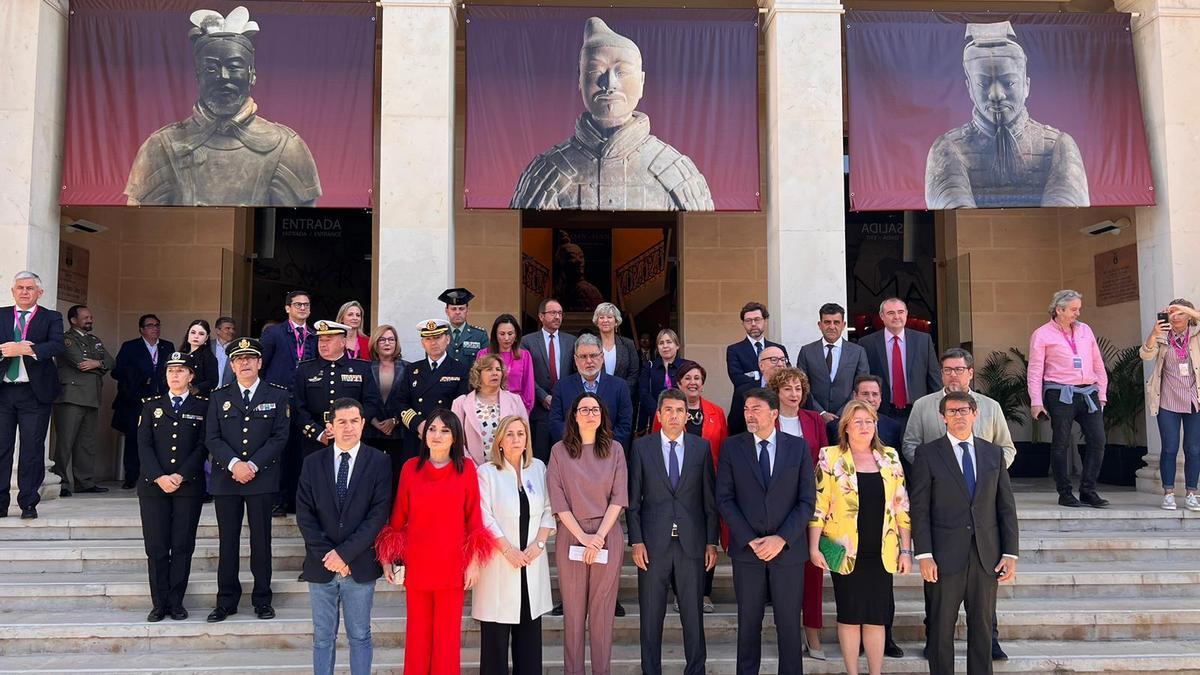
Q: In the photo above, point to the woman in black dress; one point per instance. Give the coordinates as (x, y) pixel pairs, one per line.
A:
(196, 343)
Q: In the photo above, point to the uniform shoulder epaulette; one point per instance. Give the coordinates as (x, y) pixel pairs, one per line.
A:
(200, 397)
(224, 386)
(308, 360)
(149, 399)
(280, 386)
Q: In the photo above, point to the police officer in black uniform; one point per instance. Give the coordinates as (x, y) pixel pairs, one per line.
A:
(429, 383)
(321, 381)
(170, 435)
(247, 429)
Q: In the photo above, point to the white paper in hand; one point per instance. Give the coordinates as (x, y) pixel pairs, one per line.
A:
(576, 553)
(398, 575)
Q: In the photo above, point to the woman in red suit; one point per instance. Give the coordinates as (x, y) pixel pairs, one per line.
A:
(792, 386)
(437, 533)
(707, 420)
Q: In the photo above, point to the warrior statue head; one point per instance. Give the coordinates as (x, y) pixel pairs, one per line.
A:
(224, 58)
(995, 66)
(610, 74)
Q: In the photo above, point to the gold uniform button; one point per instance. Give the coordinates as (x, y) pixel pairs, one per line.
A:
(247, 418)
(245, 430)
(172, 460)
(174, 435)
(243, 454)
(172, 450)
(245, 442)
(420, 400)
(175, 424)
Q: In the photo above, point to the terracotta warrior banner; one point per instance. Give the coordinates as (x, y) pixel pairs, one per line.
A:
(219, 103)
(952, 111)
(612, 109)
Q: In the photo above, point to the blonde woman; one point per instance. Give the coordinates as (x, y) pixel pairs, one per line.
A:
(861, 510)
(358, 344)
(514, 587)
(481, 409)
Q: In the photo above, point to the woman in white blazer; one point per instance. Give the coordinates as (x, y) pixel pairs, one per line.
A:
(513, 591)
(481, 409)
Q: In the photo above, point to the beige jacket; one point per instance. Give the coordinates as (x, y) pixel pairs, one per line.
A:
(1159, 354)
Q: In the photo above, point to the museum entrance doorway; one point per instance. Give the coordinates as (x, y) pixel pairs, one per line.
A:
(583, 258)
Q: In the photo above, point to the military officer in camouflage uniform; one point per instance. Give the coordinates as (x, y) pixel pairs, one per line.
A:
(323, 380)
(429, 383)
(81, 370)
(170, 491)
(612, 162)
(246, 431)
(465, 340)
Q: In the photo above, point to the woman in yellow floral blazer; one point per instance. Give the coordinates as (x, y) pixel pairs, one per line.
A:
(862, 507)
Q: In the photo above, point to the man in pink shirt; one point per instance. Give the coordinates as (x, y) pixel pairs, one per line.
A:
(1068, 382)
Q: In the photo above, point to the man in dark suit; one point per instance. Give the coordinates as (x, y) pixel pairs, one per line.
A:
(342, 502)
(30, 337)
(613, 391)
(965, 533)
(741, 358)
(916, 373)
(772, 360)
(766, 491)
(317, 384)
(288, 343)
(831, 363)
(429, 383)
(673, 530)
(246, 431)
(140, 372)
(551, 349)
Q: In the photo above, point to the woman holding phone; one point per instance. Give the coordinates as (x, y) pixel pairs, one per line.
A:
(1173, 396)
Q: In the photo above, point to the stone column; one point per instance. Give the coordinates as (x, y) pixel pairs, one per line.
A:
(1164, 38)
(416, 165)
(806, 219)
(33, 49)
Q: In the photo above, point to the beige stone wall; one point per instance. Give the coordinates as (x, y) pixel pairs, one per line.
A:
(165, 261)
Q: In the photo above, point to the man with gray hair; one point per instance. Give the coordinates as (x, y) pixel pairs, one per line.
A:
(30, 337)
(1002, 157)
(613, 392)
(612, 161)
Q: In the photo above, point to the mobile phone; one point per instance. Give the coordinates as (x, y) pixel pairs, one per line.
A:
(1163, 317)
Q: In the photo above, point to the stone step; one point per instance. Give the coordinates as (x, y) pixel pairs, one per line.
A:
(126, 630)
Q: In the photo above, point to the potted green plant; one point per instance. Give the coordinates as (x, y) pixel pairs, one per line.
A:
(1003, 377)
(1125, 406)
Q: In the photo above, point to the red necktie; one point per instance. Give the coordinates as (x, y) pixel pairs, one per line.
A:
(899, 388)
(553, 363)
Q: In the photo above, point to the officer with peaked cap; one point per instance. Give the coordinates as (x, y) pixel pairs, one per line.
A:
(322, 380)
(465, 340)
(246, 432)
(170, 436)
(429, 383)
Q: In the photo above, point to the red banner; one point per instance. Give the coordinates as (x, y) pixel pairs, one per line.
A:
(968, 110)
(216, 102)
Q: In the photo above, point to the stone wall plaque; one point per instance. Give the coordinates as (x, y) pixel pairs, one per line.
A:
(72, 274)
(1117, 276)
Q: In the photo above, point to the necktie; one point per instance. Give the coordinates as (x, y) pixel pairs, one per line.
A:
(673, 467)
(343, 479)
(457, 338)
(553, 363)
(829, 359)
(14, 363)
(899, 387)
(246, 398)
(757, 348)
(968, 468)
(432, 366)
(300, 343)
(176, 403)
(764, 462)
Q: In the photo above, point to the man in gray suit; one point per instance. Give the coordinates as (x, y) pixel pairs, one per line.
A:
(673, 527)
(915, 374)
(832, 363)
(552, 352)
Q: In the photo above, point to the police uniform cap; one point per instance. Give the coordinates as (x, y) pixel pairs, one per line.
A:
(456, 296)
(181, 359)
(245, 346)
(432, 327)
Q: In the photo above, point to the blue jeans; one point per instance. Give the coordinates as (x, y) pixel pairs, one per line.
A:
(1168, 430)
(355, 600)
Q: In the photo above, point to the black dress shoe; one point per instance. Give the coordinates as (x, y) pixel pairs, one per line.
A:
(998, 653)
(157, 614)
(179, 614)
(1068, 499)
(95, 489)
(219, 614)
(1093, 500)
(557, 611)
(264, 612)
(29, 513)
(128, 484)
(64, 491)
(619, 611)
(301, 577)
(892, 650)
(207, 499)
(279, 511)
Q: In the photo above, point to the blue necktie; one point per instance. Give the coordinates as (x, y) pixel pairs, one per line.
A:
(764, 462)
(673, 467)
(343, 479)
(246, 398)
(968, 467)
(176, 403)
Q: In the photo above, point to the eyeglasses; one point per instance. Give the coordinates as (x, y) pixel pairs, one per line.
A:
(589, 412)
(959, 370)
(588, 357)
(301, 305)
(957, 412)
(152, 325)
(773, 359)
(552, 312)
(387, 339)
(756, 319)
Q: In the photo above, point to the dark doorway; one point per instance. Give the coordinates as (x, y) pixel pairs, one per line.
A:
(326, 252)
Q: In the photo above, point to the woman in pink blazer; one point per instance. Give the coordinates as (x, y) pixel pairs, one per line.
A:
(481, 409)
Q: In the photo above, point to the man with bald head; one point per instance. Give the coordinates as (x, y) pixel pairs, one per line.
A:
(770, 361)
(612, 162)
